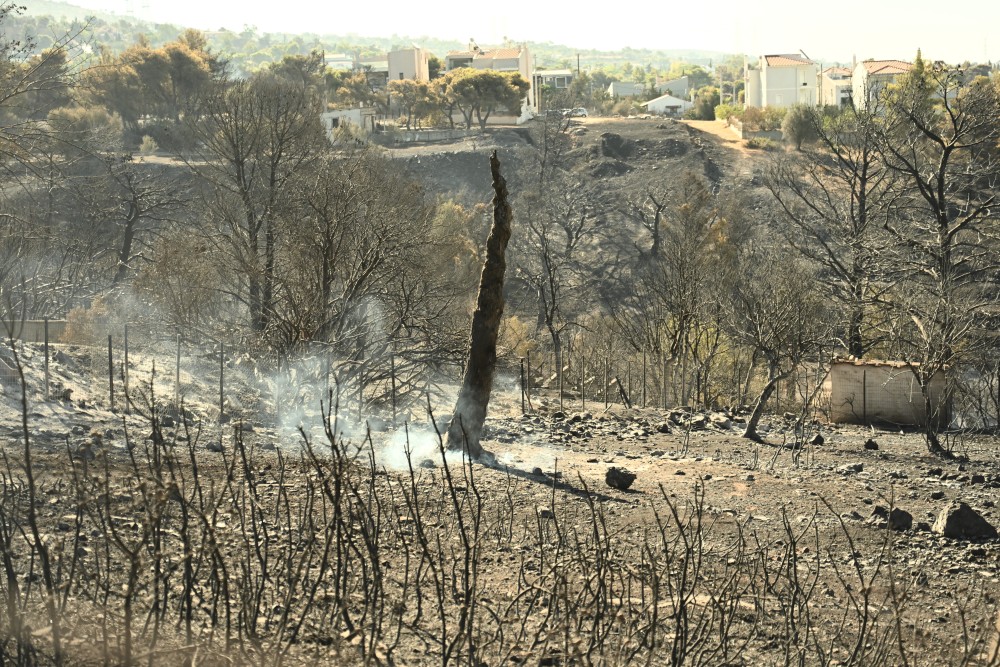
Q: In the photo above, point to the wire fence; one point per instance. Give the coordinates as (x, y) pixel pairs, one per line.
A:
(133, 369)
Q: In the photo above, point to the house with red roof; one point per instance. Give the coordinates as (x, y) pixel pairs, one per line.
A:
(835, 88)
(870, 77)
(781, 80)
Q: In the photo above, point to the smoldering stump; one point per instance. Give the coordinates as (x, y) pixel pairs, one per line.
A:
(466, 427)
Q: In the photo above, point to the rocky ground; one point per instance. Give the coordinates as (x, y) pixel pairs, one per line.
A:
(860, 507)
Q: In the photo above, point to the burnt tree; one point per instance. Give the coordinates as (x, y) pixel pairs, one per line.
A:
(470, 411)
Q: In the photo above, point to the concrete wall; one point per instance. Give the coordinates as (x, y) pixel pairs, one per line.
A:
(737, 127)
(880, 393)
(413, 136)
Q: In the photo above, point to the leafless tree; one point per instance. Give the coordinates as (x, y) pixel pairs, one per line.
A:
(835, 198)
(256, 136)
(940, 138)
(774, 309)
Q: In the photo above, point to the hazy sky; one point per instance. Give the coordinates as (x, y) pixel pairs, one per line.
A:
(832, 30)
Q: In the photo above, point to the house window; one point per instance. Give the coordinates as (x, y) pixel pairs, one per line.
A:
(401, 77)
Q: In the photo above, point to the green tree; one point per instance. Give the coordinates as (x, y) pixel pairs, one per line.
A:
(800, 125)
(704, 103)
(415, 99)
(434, 67)
(477, 94)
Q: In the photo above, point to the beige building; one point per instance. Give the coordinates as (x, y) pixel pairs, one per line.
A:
(781, 80)
(870, 77)
(505, 59)
(409, 63)
(866, 392)
(835, 88)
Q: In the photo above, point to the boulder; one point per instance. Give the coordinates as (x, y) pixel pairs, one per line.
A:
(894, 519)
(961, 522)
(871, 444)
(619, 478)
(720, 421)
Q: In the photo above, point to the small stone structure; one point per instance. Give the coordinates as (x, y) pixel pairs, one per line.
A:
(865, 392)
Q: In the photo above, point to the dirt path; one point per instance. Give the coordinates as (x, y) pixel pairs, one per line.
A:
(721, 131)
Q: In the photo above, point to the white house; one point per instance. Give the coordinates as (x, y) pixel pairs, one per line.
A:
(554, 78)
(835, 87)
(506, 59)
(677, 87)
(667, 105)
(781, 80)
(871, 76)
(361, 117)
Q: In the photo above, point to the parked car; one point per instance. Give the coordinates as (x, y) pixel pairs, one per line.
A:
(578, 112)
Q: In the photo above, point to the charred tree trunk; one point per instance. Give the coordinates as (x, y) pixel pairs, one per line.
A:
(466, 426)
(773, 378)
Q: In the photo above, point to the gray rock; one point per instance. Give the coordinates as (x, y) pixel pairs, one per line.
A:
(817, 440)
(871, 444)
(937, 495)
(961, 522)
(619, 478)
(894, 519)
(214, 446)
(850, 468)
(720, 421)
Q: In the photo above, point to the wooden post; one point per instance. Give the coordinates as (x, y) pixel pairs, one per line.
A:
(46, 358)
(527, 386)
(392, 380)
(523, 411)
(583, 383)
(559, 378)
(222, 381)
(864, 395)
(628, 378)
(111, 375)
(663, 395)
(607, 371)
(128, 403)
(177, 379)
(644, 378)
